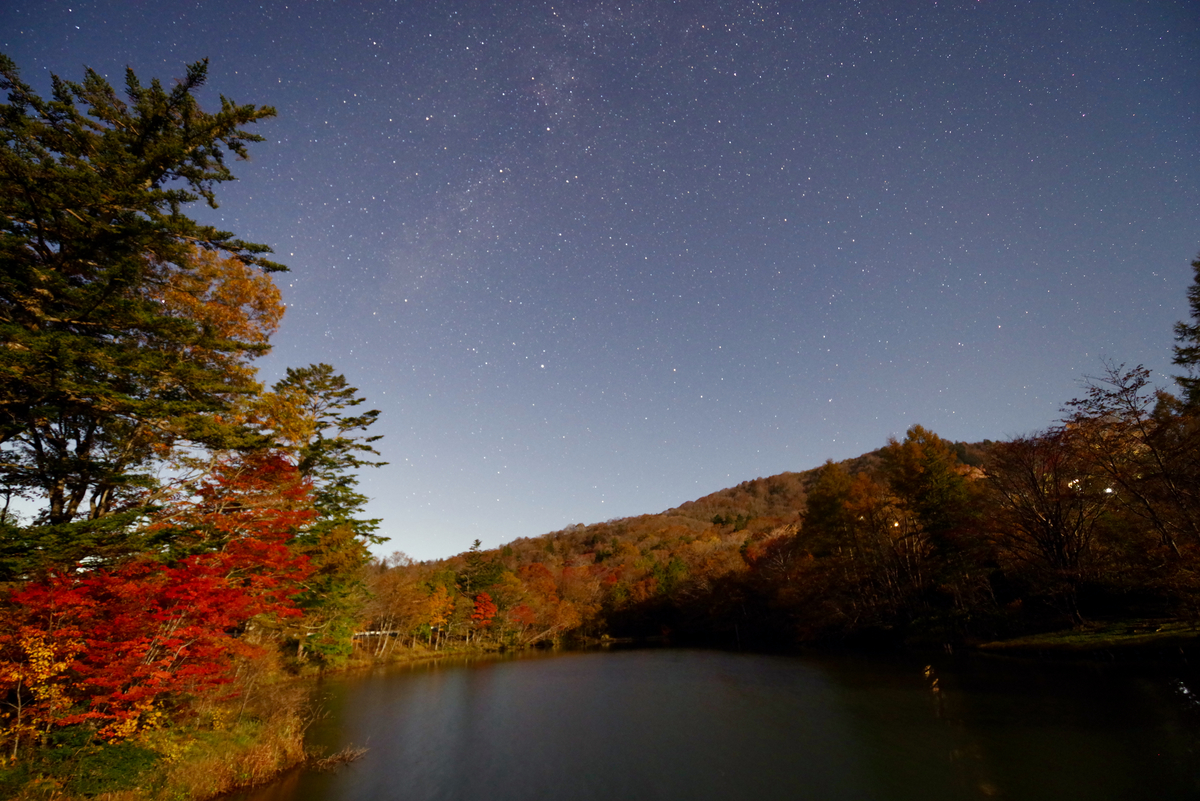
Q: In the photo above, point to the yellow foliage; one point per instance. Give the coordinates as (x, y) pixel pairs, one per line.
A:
(229, 299)
(40, 672)
(284, 413)
(439, 607)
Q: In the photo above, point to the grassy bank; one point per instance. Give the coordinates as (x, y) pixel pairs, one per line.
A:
(219, 746)
(1125, 637)
(216, 747)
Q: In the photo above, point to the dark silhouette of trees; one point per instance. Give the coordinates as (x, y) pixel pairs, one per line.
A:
(1187, 347)
(1147, 444)
(1049, 502)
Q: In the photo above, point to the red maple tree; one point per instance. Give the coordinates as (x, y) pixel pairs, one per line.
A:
(115, 646)
(484, 611)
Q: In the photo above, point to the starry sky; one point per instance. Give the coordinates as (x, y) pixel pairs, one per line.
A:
(593, 259)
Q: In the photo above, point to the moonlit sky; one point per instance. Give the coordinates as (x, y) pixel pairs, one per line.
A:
(594, 259)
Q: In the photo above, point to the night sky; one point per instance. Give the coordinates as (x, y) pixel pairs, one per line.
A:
(594, 259)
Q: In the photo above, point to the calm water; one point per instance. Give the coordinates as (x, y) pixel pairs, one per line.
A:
(681, 724)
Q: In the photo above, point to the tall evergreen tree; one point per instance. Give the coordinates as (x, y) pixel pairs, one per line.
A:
(315, 410)
(923, 472)
(1187, 351)
(100, 374)
(828, 525)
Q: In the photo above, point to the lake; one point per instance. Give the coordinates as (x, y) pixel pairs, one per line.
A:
(693, 724)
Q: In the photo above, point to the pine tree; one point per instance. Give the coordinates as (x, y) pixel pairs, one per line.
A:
(312, 410)
(1187, 352)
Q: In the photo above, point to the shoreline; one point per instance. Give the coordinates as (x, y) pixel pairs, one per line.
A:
(210, 759)
(1134, 639)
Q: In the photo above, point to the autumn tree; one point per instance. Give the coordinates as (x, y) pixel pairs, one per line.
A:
(438, 611)
(314, 412)
(877, 566)
(252, 503)
(483, 611)
(238, 304)
(826, 520)
(117, 647)
(396, 601)
(543, 610)
(923, 472)
(112, 349)
(1051, 500)
(1147, 444)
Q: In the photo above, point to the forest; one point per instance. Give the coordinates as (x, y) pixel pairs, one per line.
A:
(177, 538)
(1089, 524)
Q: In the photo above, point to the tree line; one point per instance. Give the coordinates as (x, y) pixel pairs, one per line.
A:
(1095, 518)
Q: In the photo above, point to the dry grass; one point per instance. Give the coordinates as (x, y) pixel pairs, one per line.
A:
(350, 753)
(248, 741)
(221, 745)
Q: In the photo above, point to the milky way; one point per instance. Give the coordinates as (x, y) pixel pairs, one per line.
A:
(594, 259)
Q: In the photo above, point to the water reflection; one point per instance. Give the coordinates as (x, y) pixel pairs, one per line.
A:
(674, 724)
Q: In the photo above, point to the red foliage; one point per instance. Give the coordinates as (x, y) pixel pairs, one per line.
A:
(524, 615)
(539, 580)
(485, 609)
(143, 633)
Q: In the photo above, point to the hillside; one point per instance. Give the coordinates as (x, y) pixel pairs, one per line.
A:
(1091, 522)
(693, 570)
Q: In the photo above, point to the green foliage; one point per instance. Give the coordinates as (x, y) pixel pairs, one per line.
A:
(922, 471)
(443, 576)
(827, 521)
(313, 409)
(739, 521)
(13, 778)
(480, 571)
(105, 767)
(75, 762)
(99, 376)
(968, 455)
(127, 331)
(34, 550)
(331, 644)
(332, 444)
(669, 574)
